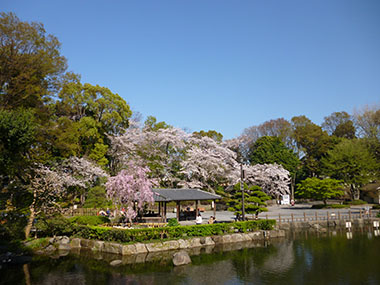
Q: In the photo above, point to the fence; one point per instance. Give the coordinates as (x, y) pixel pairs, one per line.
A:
(329, 216)
(81, 212)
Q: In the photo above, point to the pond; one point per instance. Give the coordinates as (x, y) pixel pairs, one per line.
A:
(334, 257)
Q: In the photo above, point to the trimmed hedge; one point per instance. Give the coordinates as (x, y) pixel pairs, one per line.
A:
(149, 234)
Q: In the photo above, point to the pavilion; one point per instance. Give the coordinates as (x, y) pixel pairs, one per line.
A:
(163, 196)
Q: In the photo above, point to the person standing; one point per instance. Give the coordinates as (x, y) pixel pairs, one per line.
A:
(198, 220)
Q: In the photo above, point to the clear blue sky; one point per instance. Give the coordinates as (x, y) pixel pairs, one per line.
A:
(221, 65)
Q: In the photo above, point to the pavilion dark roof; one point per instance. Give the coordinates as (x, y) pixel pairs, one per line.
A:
(167, 195)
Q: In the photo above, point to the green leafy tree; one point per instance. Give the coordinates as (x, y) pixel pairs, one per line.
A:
(211, 134)
(254, 200)
(151, 124)
(270, 150)
(351, 162)
(17, 135)
(320, 189)
(97, 198)
(30, 63)
(312, 143)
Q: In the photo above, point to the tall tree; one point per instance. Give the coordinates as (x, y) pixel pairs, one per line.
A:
(337, 122)
(30, 63)
(312, 143)
(351, 162)
(367, 121)
(270, 150)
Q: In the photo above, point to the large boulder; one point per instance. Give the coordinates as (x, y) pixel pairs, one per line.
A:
(181, 258)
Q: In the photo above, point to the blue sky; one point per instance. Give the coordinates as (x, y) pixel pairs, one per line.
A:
(221, 65)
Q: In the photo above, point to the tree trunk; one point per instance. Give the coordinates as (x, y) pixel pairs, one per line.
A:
(355, 193)
(30, 222)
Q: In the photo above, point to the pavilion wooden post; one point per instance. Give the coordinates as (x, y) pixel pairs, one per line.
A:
(214, 209)
(164, 212)
(159, 209)
(178, 209)
(196, 208)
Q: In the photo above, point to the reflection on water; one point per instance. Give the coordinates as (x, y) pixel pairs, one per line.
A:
(301, 258)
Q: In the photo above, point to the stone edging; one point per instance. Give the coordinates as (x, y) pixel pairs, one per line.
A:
(65, 243)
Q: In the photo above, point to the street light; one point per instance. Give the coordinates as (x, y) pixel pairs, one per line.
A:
(242, 191)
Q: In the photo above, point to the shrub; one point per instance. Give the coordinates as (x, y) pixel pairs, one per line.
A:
(12, 225)
(330, 206)
(51, 226)
(89, 220)
(173, 222)
(174, 232)
(376, 207)
(355, 202)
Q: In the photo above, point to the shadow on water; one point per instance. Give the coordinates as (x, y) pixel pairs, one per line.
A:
(303, 257)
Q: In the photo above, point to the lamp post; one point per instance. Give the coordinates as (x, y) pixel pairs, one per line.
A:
(242, 191)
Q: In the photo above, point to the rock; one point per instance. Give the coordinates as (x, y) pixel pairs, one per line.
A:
(171, 245)
(237, 238)
(98, 245)
(64, 252)
(113, 248)
(154, 246)
(255, 235)
(128, 249)
(217, 239)
(195, 242)
(64, 240)
(209, 241)
(75, 243)
(181, 258)
(87, 243)
(226, 239)
(140, 248)
(246, 237)
(50, 248)
(183, 243)
(116, 262)
(64, 247)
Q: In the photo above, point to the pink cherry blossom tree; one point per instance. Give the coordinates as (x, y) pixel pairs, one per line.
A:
(132, 188)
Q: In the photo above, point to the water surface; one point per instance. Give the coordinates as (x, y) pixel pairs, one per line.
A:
(301, 258)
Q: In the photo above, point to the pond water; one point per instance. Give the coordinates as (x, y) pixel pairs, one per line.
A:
(301, 258)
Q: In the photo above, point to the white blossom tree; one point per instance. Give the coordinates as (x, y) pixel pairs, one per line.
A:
(49, 184)
(161, 150)
(273, 179)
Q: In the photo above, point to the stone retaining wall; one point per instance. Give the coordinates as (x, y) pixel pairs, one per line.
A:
(65, 243)
(324, 225)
